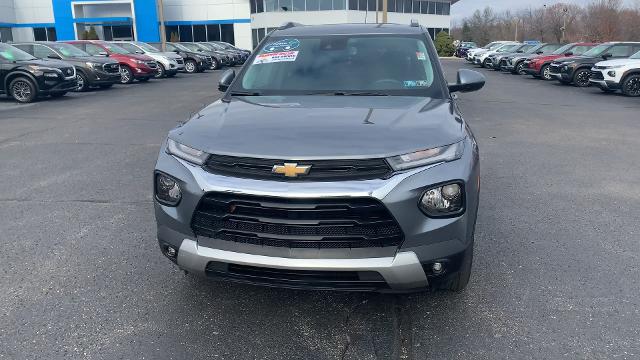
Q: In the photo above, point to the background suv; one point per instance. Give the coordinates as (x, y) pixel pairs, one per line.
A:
(24, 77)
(621, 74)
(495, 60)
(169, 63)
(217, 59)
(194, 62)
(482, 58)
(515, 63)
(132, 66)
(90, 70)
(577, 69)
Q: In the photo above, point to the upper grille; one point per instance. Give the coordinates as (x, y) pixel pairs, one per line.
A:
(554, 68)
(296, 223)
(68, 72)
(180, 61)
(111, 68)
(321, 170)
(152, 64)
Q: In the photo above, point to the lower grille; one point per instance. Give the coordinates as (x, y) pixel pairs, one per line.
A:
(180, 61)
(68, 72)
(329, 280)
(296, 223)
(111, 68)
(320, 170)
(554, 69)
(152, 64)
(596, 75)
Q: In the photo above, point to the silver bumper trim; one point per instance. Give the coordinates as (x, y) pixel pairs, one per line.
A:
(401, 272)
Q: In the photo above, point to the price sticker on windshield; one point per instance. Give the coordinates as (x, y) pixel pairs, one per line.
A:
(421, 56)
(275, 57)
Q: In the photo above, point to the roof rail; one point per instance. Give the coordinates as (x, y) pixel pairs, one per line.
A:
(288, 25)
(414, 23)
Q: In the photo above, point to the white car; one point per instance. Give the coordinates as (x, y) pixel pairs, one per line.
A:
(620, 74)
(482, 58)
(490, 46)
(169, 63)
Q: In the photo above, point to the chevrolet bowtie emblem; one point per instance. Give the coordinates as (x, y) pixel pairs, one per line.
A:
(291, 169)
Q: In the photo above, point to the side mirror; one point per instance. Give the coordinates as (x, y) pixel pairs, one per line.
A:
(468, 80)
(226, 80)
(539, 52)
(569, 53)
(139, 52)
(176, 51)
(103, 53)
(54, 56)
(519, 51)
(607, 55)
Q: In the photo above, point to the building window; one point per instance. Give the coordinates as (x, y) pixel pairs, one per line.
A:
(186, 33)
(172, 34)
(199, 33)
(40, 34)
(226, 33)
(258, 6)
(285, 5)
(6, 35)
(213, 32)
(339, 4)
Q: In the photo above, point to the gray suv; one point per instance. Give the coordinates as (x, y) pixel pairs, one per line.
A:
(336, 159)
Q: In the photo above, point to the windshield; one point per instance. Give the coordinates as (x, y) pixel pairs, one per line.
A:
(224, 45)
(191, 46)
(342, 65)
(597, 51)
(507, 48)
(180, 47)
(563, 50)
(495, 46)
(635, 56)
(534, 49)
(68, 50)
(11, 53)
(147, 47)
(115, 49)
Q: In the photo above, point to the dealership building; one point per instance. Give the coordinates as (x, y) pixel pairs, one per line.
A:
(241, 22)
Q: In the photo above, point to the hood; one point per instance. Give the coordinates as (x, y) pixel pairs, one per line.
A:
(138, 57)
(313, 127)
(97, 59)
(571, 59)
(170, 55)
(545, 58)
(57, 64)
(617, 62)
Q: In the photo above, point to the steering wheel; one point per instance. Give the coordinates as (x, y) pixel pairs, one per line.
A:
(387, 83)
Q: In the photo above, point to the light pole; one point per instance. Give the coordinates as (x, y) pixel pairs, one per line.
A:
(163, 31)
(565, 11)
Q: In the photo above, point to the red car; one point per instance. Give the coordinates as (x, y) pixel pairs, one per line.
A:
(538, 66)
(132, 66)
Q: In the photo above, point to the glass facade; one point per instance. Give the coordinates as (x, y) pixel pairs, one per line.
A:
(200, 33)
(44, 34)
(400, 6)
(5, 34)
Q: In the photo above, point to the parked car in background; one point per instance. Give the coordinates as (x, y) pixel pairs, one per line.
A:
(494, 60)
(461, 50)
(235, 57)
(514, 63)
(25, 78)
(169, 63)
(91, 71)
(132, 66)
(217, 59)
(577, 69)
(538, 66)
(194, 62)
(482, 59)
(243, 52)
(490, 46)
(620, 74)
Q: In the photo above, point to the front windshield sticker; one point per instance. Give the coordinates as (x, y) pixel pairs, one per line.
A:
(285, 56)
(416, 83)
(282, 45)
(7, 55)
(421, 55)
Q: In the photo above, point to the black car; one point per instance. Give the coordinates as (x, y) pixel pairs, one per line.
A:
(217, 58)
(495, 59)
(91, 71)
(242, 52)
(235, 58)
(25, 78)
(577, 69)
(194, 62)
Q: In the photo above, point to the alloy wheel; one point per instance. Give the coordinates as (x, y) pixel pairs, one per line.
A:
(80, 81)
(520, 69)
(546, 73)
(632, 86)
(21, 91)
(582, 78)
(160, 72)
(125, 77)
(190, 66)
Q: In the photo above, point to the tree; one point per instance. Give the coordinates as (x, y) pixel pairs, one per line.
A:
(466, 32)
(444, 44)
(92, 34)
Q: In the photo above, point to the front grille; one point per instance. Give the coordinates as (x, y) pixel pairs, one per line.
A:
(68, 72)
(503, 63)
(554, 68)
(111, 68)
(596, 75)
(296, 223)
(180, 61)
(152, 64)
(321, 170)
(329, 280)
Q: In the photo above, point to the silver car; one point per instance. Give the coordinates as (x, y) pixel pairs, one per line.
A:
(332, 162)
(169, 63)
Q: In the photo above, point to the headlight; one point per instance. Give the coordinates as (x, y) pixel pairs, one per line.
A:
(140, 62)
(445, 200)
(427, 157)
(167, 190)
(93, 65)
(613, 67)
(186, 153)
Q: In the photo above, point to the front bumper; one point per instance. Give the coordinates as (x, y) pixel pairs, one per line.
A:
(46, 87)
(426, 240)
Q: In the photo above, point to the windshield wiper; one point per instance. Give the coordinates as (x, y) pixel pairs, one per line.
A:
(349, 93)
(244, 93)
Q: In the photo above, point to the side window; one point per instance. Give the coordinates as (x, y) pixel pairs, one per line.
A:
(620, 51)
(579, 50)
(93, 49)
(129, 47)
(25, 48)
(636, 49)
(80, 46)
(42, 52)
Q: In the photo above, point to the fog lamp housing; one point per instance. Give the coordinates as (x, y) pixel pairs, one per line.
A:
(443, 201)
(167, 190)
(612, 74)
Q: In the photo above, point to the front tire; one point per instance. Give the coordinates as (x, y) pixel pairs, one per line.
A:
(126, 75)
(83, 82)
(160, 73)
(190, 66)
(545, 72)
(631, 85)
(215, 65)
(581, 78)
(520, 69)
(22, 90)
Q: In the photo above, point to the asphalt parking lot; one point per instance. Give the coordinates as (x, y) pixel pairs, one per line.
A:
(556, 271)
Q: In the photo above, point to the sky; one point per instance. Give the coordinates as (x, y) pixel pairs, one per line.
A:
(465, 8)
